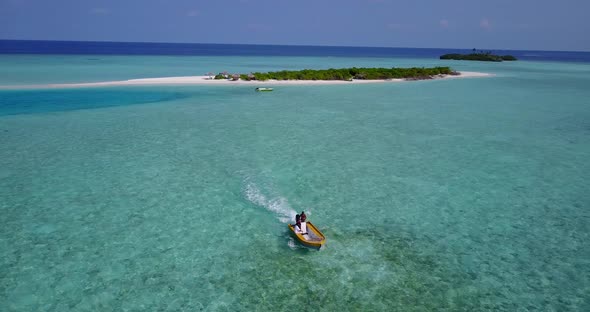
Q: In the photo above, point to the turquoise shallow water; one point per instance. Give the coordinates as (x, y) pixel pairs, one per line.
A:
(43, 69)
(457, 195)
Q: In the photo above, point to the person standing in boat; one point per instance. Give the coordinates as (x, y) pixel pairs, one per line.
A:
(302, 224)
(297, 223)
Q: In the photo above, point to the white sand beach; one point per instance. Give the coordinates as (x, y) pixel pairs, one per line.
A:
(206, 80)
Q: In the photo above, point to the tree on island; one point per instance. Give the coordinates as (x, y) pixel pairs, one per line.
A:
(478, 56)
(349, 74)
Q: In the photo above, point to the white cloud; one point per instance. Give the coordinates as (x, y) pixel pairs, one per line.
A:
(193, 13)
(485, 24)
(444, 23)
(99, 11)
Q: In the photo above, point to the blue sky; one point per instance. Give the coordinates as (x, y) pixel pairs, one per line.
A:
(492, 24)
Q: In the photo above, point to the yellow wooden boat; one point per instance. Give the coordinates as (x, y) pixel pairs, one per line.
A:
(309, 236)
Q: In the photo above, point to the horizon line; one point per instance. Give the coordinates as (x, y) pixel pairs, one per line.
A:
(288, 45)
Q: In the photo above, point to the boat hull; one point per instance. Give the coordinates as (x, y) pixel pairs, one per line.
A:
(314, 237)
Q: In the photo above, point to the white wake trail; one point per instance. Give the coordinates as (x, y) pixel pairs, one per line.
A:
(279, 205)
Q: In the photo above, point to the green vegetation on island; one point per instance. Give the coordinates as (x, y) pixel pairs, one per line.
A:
(347, 74)
(478, 56)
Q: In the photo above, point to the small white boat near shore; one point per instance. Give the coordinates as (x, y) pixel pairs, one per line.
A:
(263, 89)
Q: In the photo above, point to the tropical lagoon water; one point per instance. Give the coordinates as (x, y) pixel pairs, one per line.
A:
(440, 195)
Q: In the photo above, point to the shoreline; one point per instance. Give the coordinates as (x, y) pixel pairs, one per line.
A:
(205, 80)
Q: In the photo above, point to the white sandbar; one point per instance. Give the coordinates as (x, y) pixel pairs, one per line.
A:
(206, 80)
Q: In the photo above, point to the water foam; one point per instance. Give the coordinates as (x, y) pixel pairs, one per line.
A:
(279, 205)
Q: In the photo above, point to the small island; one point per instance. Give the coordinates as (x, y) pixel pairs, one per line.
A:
(265, 80)
(478, 56)
(345, 74)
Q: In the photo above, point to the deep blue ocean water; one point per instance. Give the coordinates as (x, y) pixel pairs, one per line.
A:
(202, 49)
(443, 195)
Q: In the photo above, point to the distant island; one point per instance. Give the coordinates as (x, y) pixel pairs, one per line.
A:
(478, 56)
(346, 74)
